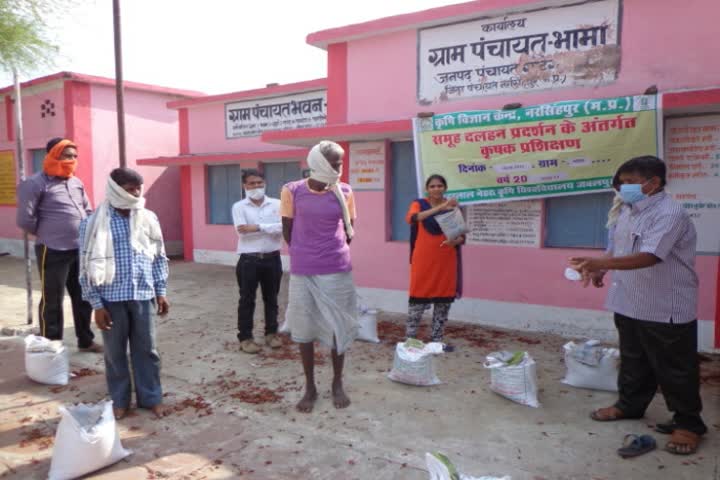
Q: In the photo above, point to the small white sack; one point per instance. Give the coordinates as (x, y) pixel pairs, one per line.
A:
(284, 327)
(413, 363)
(367, 318)
(589, 365)
(86, 440)
(516, 382)
(46, 361)
(440, 468)
(452, 223)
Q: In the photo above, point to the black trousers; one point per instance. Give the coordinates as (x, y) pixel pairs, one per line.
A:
(252, 271)
(656, 354)
(59, 271)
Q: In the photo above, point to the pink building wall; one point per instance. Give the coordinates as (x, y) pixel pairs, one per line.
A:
(151, 129)
(85, 111)
(207, 133)
(668, 44)
(205, 235)
(37, 131)
(657, 49)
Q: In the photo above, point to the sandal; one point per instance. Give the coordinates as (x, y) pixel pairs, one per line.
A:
(635, 445)
(683, 438)
(666, 428)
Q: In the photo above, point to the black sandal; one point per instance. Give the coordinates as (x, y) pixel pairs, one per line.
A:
(636, 445)
(666, 428)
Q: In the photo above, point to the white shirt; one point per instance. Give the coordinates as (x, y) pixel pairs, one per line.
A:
(267, 217)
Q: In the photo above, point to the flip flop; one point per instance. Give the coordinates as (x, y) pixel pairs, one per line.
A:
(635, 445)
(665, 428)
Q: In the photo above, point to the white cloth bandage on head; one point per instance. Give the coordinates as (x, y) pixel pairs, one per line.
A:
(98, 259)
(322, 171)
(320, 168)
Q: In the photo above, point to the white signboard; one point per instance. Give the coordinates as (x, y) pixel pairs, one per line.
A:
(692, 153)
(520, 52)
(251, 118)
(516, 224)
(367, 165)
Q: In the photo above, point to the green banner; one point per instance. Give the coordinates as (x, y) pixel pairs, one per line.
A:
(554, 149)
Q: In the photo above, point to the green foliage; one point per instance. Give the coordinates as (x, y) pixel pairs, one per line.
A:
(24, 43)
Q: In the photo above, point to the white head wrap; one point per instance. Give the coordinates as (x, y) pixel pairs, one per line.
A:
(97, 255)
(322, 171)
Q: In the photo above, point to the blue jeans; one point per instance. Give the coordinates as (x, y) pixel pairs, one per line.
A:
(132, 321)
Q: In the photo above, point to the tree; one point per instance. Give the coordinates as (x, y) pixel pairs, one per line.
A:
(24, 44)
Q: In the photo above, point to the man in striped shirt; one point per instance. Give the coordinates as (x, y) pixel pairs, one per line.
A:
(654, 297)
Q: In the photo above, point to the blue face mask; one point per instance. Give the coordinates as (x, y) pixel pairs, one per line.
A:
(632, 193)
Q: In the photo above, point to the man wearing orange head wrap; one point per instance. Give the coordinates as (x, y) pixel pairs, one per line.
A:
(51, 205)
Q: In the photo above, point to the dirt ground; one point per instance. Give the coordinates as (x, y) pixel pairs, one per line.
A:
(234, 417)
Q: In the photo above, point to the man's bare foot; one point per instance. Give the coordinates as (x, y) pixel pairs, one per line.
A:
(119, 413)
(307, 402)
(160, 410)
(340, 400)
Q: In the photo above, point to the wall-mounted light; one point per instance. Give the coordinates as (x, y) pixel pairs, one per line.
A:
(512, 106)
(651, 90)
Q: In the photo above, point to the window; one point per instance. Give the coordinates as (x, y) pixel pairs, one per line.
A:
(224, 186)
(404, 187)
(278, 174)
(577, 221)
(38, 157)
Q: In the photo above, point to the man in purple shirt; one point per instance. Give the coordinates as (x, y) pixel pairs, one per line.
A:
(317, 217)
(654, 297)
(51, 205)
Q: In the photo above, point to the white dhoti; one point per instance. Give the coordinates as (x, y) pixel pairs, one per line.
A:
(323, 308)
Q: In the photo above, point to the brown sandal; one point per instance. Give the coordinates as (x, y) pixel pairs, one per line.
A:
(608, 414)
(683, 438)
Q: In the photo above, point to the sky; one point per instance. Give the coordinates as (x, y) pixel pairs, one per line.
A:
(212, 46)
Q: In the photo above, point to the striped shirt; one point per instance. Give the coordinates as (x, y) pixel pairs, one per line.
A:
(666, 292)
(137, 277)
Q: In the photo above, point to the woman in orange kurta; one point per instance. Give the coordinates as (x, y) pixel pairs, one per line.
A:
(435, 270)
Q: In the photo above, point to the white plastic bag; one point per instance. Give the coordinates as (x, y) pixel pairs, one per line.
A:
(590, 365)
(368, 326)
(46, 361)
(367, 318)
(86, 440)
(284, 327)
(452, 223)
(413, 363)
(514, 376)
(441, 468)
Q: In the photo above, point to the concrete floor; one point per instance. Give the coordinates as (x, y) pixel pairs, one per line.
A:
(217, 433)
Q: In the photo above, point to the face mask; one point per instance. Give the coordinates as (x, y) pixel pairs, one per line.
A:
(632, 193)
(256, 193)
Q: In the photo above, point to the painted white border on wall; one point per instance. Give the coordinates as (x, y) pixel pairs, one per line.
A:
(223, 257)
(567, 322)
(15, 247)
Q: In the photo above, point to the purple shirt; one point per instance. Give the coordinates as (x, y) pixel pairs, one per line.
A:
(51, 208)
(668, 291)
(318, 244)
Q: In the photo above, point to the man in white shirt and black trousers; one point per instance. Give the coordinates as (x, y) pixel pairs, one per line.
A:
(257, 222)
